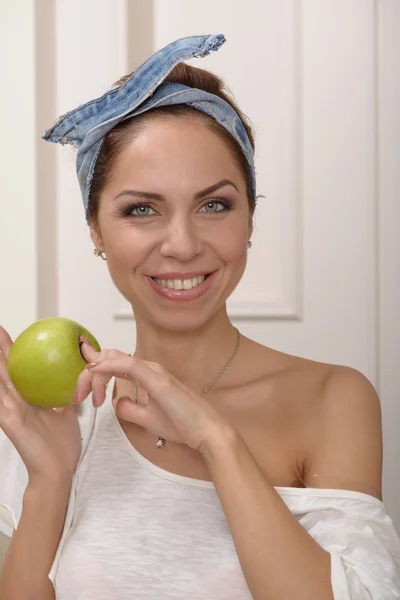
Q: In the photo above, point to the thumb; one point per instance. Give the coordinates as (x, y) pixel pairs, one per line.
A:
(87, 350)
(5, 342)
(128, 410)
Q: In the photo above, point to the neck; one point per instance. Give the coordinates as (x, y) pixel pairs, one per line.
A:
(194, 357)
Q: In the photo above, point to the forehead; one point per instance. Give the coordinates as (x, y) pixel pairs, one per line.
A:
(175, 152)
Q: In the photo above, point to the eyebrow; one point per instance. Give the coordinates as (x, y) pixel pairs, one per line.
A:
(152, 196)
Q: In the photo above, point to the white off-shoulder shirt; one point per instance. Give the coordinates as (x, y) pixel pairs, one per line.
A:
(134, 530)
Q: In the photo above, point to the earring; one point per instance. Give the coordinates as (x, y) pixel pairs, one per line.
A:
(97, 252)
(249, 245)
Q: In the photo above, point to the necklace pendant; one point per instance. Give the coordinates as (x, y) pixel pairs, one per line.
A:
(160, 443)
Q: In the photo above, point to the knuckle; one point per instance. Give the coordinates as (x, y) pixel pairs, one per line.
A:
(159, 369)
(7, 401)
(166, 384)
(99, 380)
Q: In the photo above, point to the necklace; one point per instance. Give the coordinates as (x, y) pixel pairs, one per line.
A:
(161, 441)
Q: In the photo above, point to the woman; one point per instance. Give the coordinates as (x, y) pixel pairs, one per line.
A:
(210, 466)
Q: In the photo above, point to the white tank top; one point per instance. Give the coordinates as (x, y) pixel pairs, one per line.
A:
(140, 532)
(134, 531)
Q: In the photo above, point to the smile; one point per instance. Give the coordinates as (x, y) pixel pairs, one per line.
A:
(182, 289)
(181, 284)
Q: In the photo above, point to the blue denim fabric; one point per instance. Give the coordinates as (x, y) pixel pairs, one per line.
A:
(87, 125)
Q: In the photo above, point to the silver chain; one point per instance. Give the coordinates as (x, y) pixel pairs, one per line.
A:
(161, 441)
(228, 364)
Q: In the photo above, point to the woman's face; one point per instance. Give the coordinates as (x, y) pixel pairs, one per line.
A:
(175, 208)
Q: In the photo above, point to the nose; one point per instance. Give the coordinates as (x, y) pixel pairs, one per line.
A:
(181, 241)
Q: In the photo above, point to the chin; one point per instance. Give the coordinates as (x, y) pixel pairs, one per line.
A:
(180, 319)
(180, 323)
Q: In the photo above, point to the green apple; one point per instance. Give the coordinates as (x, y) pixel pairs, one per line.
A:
(45, 361)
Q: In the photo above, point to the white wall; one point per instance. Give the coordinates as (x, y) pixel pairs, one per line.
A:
(18, 241)
(388, 217)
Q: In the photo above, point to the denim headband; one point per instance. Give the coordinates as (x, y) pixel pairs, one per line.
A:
(86, 126)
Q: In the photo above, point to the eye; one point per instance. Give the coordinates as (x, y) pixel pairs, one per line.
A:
(143, 209)
(216, 206)
(139, 210)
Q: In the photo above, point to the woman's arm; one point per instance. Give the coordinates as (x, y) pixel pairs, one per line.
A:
(278, 556)
(49, 444)
(34, 544)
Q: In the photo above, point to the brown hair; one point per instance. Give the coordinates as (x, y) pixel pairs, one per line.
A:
(119, 136)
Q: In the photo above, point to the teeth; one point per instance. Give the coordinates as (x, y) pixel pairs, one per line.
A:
(179, 284)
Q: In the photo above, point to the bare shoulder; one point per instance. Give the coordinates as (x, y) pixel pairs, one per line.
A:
(331, 390)
(345, 438)
(348, 393)
(332, 414)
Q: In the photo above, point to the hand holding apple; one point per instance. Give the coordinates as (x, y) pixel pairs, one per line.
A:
(48, 441)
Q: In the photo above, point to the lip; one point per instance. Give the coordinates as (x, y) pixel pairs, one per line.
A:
(183, 295)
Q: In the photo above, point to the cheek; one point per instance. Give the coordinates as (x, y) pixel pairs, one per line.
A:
(232, 241)
(125, 248)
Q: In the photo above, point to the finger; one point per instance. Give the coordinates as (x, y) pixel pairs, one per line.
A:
(10, 409)
(86, 385)
(130, 411)
(4, 374)
(99, 387)
(98, 384)
(5, 342)
(152, 377)
(87, 350)
(4, 407)
(88, 382)
(83, 386)
(5, 392)
(5, 347)
(8, 384)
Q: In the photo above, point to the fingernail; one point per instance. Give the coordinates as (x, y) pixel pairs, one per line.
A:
(92, 365)
(83, 339)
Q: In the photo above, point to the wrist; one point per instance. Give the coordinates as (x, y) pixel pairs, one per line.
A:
(219, 442)
(40, 488)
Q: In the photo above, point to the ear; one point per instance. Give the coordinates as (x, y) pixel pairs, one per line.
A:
(251, 225)
(96, 237)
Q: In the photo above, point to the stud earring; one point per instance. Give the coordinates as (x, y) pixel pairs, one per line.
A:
(249, 245)
(97, 252)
